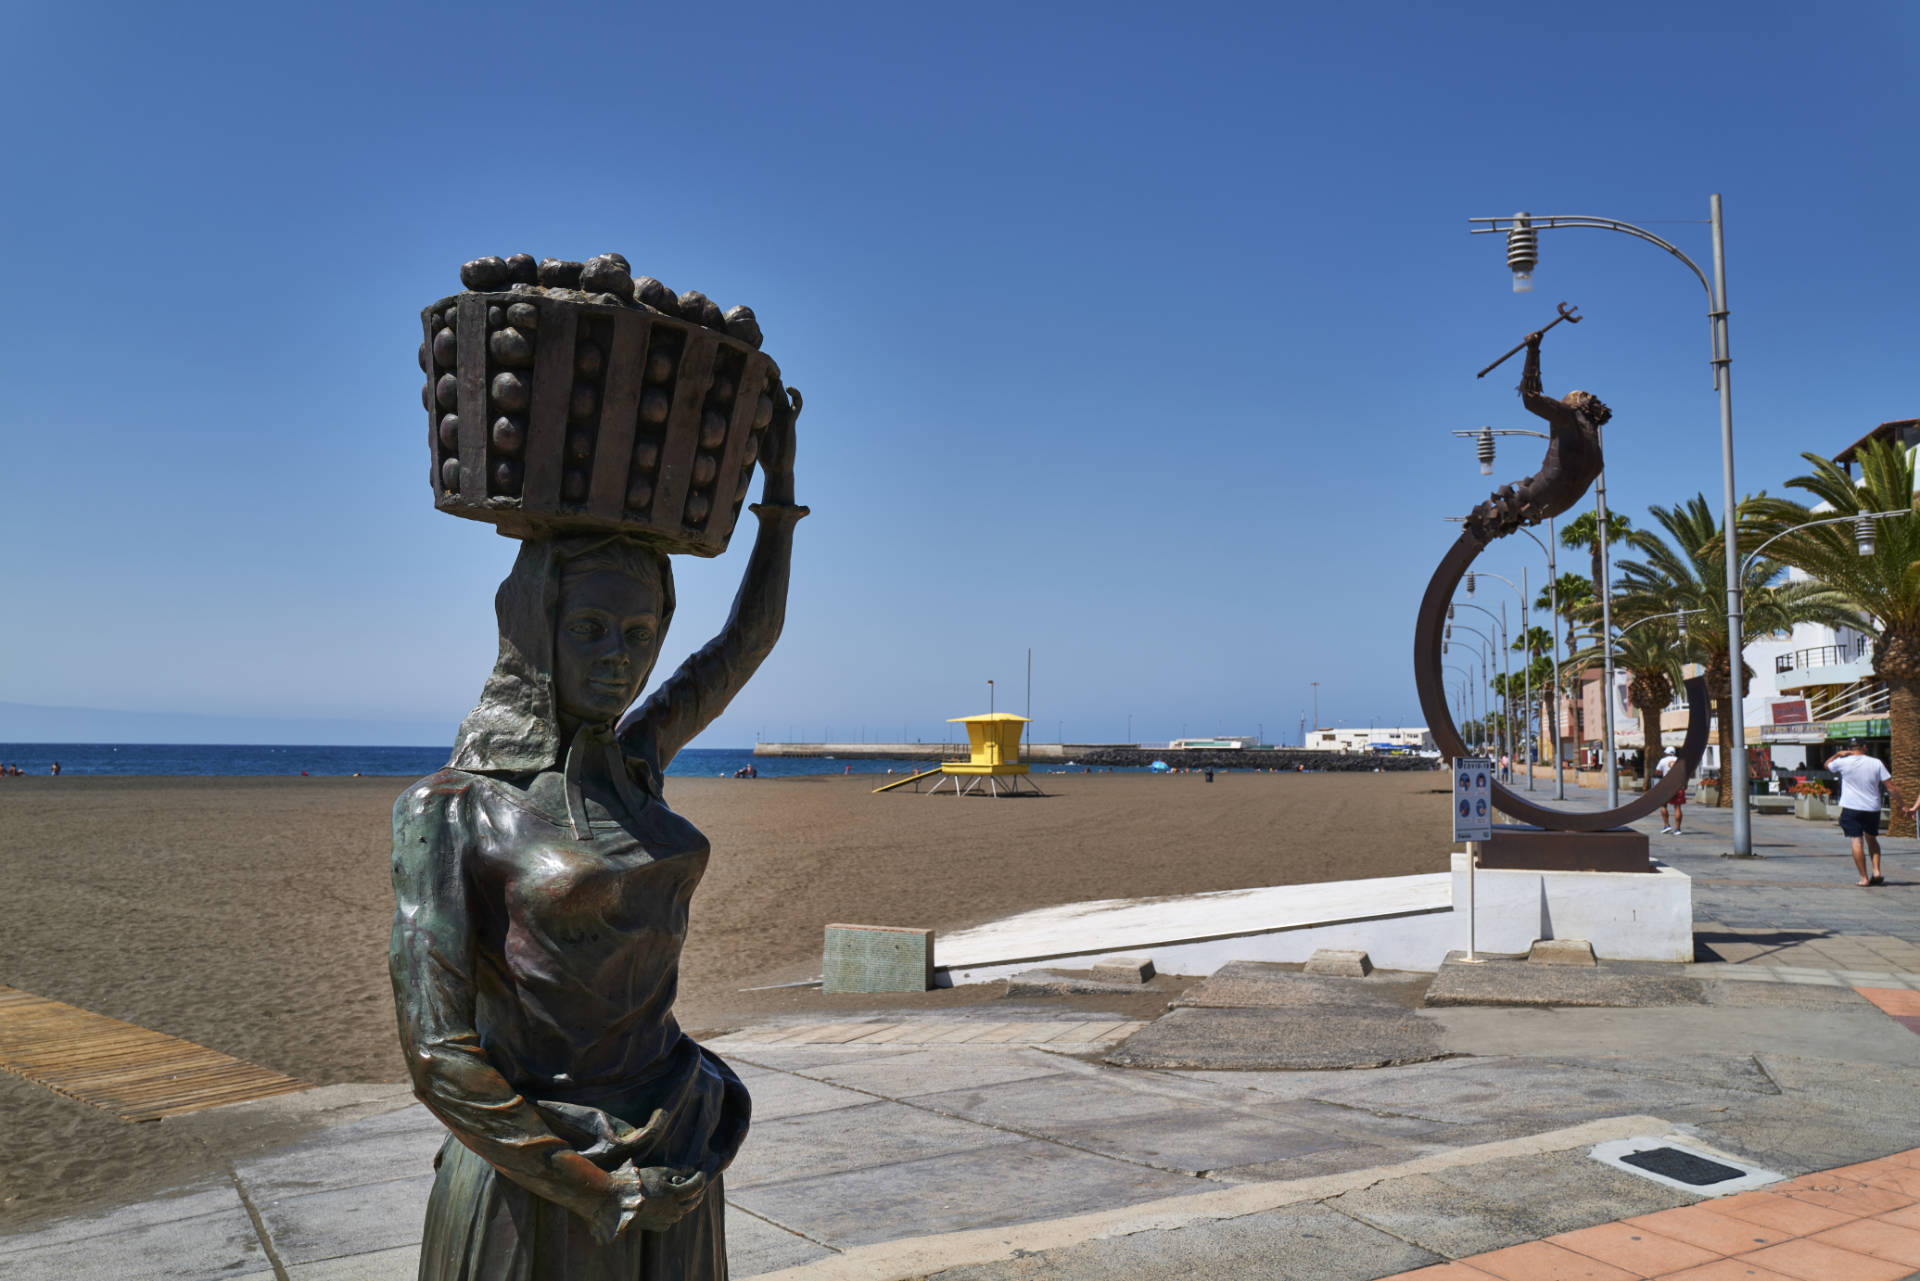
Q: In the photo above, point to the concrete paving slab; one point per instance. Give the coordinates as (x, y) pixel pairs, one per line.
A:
(1796, 1136)
(1781, 996)
(1501, 1203)
(1869, 1037)
(1353, 1124)
(910, 1075)
(221, 1246)
(883, 1133)
(195, 1201)
(1306, 1242)
(755, 1246)
(1500, 982)
(1471, 1091)
(395, 1146)
(801, 1058)
(347, 1221)
(402, 1264)
(1741, 1072)
(1266, 1039)
(783, 1094)
(988, 1187)
(1264, 985)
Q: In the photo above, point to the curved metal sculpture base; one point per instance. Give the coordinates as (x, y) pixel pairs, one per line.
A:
(1427, 636)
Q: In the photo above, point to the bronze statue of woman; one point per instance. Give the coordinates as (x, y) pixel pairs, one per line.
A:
(542, 889)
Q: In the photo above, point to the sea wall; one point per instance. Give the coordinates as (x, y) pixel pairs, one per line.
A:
(1112, 754)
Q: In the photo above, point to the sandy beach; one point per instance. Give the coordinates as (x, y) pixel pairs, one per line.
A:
(251, 914)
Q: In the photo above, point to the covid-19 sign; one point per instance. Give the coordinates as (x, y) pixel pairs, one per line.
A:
(1472, 798)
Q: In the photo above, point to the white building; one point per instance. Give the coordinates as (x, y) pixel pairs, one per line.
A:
(1363, 740)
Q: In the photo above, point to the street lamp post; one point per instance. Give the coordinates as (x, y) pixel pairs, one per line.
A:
(1483, 647)
(1522, 230)
(1526, 666)
(1466, 683)
(1506, 693)
(1553, 640)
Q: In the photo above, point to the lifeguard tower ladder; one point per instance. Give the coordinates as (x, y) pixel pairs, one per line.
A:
(993, 743)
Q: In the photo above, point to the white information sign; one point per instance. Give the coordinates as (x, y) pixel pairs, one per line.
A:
(1472, 798)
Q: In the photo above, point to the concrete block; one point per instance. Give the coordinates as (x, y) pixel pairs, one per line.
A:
(1627, 916)
(1561, 952)
(877, 958)
(1124, 969)
(1340, 962)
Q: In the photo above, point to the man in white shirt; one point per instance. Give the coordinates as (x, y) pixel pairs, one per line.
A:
(1861, 778)
(1660, 768)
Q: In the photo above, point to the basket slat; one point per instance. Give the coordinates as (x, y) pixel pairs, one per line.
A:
(552, 391)
(473, 398)
(745, 400)
(689, 393)
(430, 323)
(613, 454)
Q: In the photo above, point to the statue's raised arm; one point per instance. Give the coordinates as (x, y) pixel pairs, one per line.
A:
(1571, 465)
(689, 700)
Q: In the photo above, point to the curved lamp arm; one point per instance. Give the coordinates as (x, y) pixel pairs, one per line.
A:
(1753, 555)
(1502, 225)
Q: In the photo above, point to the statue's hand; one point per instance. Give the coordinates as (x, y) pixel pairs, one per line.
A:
(776, 451)
(650, 1199)
(1533, 339)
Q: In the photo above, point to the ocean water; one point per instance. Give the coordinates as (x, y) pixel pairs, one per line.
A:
(404, 762)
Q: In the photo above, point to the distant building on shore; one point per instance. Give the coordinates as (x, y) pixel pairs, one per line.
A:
(1227, 743)
(1367, 740)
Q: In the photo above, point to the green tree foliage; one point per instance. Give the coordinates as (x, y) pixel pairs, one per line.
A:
(1883, 588)
(1683, 568)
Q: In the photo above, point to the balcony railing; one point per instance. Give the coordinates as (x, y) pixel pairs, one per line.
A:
(1801, 660)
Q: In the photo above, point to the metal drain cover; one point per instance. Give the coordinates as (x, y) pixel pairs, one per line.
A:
(1682, 1167)
(1668, 1159)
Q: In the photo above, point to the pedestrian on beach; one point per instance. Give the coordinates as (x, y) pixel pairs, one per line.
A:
(1660, 768)
(1861, 779)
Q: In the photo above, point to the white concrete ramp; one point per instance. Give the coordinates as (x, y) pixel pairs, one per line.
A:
(1404, 922)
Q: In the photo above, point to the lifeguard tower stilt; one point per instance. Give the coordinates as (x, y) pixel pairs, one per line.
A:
(993, 742)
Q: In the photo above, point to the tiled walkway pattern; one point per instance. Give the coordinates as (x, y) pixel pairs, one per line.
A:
(1809, 949)
(1902, 1005)
(1856, 1223)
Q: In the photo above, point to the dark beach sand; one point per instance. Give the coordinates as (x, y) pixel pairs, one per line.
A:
(251, 914)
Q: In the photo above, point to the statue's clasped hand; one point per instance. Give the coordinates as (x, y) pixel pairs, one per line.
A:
(646, 1197)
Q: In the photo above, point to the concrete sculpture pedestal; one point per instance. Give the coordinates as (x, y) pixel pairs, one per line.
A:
(1627, 916)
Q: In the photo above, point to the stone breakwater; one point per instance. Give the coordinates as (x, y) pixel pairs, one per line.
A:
(1277, 758)
(1117, 754)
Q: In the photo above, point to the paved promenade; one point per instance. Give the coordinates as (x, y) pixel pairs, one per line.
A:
(1001, 1145)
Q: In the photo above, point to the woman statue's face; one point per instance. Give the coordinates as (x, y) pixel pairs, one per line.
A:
(606, 642)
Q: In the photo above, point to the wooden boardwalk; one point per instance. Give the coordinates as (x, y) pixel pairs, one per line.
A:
(133, 1072)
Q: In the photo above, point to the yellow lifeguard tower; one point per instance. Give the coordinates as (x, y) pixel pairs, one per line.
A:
(993, 743)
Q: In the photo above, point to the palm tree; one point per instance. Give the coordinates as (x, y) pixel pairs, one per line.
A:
(1573, 592)
(1536, 645)
(1685, 570)
(1578, 533)
(1650, 655)
(1883, 587)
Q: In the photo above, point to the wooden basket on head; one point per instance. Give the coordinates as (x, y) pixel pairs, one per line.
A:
(554, 411)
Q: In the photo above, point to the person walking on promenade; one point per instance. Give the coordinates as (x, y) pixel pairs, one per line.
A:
(1861, 778)
(1660, 768)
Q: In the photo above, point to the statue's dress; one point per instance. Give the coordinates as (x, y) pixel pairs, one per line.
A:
(536, 951)
(566, 951)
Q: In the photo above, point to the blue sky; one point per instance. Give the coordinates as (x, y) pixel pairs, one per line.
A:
(1131, 334)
